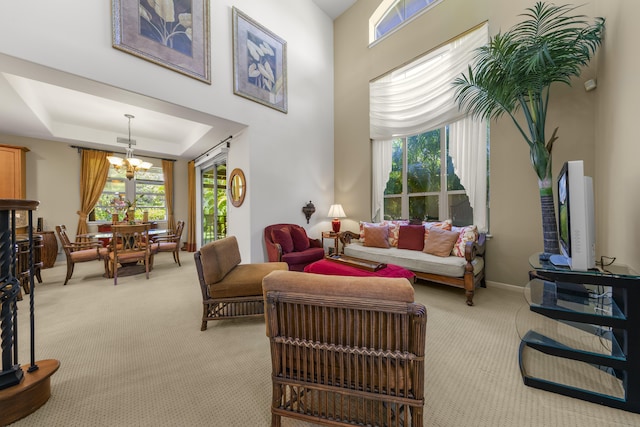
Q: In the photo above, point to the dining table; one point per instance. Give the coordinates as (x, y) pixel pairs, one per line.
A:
(131, 268)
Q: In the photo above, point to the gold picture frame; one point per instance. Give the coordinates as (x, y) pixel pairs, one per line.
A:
(173, 34)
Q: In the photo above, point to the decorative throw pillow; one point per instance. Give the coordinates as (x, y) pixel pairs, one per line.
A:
(300, 239)
(368, 224)
(440, 242)
(467, 234)
(394, 229)
(411, 237)
(282, 236)
(376, 236)
(444, 225)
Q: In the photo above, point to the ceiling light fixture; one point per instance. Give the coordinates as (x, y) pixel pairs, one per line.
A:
(132, 164)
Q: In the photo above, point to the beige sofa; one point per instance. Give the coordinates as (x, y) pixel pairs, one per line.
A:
(467, 272)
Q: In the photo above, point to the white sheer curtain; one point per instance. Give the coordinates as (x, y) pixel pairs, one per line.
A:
(420, 97)
(468, 151)
(381, 152)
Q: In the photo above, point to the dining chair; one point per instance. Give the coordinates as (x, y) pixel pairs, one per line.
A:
(81, 251)
(129, 245)
(169, 243)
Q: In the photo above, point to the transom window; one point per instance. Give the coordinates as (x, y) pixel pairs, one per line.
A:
(392, 14)
(146, 190)
(422, 183)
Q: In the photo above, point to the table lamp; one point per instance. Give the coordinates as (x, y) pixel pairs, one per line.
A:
(336, 212)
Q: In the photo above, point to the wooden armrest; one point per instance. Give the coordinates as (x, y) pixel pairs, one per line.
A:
(166, 238)
(83, 245)
(346, 236)
(473, 249)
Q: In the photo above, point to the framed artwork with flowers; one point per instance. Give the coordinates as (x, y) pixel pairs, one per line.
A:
(170, 33)
(259, 63)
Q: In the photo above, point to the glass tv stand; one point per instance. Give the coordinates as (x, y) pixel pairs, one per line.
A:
(580, 333)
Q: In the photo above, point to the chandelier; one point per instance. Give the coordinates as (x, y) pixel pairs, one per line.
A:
(132, 164)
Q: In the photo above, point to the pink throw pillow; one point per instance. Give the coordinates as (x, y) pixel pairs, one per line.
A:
(444, 225)
(283, 238)
(411, 237)
(300, 239)
(376, 236)
(440, 242)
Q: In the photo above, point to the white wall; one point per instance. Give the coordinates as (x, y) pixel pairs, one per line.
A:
(287, 158)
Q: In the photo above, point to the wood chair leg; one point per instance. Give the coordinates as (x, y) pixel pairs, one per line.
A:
(69, 272)
(205, 310)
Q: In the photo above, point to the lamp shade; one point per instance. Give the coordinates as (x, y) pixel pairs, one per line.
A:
(114, 160)
(335, 212)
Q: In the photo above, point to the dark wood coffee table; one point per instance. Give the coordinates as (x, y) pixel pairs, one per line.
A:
(350, 266)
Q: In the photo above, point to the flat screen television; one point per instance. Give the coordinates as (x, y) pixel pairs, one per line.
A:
(576, 223)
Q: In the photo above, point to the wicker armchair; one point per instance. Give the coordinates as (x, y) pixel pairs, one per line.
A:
(345, 350)
(230, 289)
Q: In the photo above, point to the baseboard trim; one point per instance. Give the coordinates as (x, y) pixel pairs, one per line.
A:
(505, 286)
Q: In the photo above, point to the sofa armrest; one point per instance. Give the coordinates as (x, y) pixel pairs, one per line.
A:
(474, 249)
(347, 236)
(315, 243)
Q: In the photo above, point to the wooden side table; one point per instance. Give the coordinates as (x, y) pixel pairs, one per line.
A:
(336, 240)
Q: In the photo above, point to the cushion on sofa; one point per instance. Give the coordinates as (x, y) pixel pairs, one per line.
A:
(444, 225)
(411, 237)
(300, 239)
(440, 242)
(467, 234)
(394, 230)
(419, 261)
(366, 224)
(376, 236)
(282, 236)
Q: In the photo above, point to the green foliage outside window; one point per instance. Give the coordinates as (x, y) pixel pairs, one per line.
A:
(424, 180)
(214, 203)
(148, 190)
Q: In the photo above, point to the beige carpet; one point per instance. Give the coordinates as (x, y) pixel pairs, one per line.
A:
(134, 355)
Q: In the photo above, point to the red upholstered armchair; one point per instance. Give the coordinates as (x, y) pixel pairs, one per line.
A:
(289, 243)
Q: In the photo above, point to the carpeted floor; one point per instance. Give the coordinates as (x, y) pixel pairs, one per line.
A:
(134, 355)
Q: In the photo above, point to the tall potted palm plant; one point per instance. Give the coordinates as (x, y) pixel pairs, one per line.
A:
(515, 70)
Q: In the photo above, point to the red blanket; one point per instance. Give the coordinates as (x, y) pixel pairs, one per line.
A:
(336, 269)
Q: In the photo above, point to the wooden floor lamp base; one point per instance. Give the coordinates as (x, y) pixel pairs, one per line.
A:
(25, 398)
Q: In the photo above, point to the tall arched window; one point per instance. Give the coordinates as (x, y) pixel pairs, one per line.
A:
(429, 160)
(392, 14)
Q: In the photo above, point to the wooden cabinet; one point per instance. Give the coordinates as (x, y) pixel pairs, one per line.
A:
(13, 172)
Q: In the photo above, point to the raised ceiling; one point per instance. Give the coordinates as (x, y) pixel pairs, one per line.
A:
(72, 109)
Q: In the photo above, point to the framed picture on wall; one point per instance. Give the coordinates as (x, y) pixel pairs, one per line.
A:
(259, 63)
(170, 33)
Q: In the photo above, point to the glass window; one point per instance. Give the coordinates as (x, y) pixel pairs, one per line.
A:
(214, 203)
(433, 191)
(392, 14)
(146, 189)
